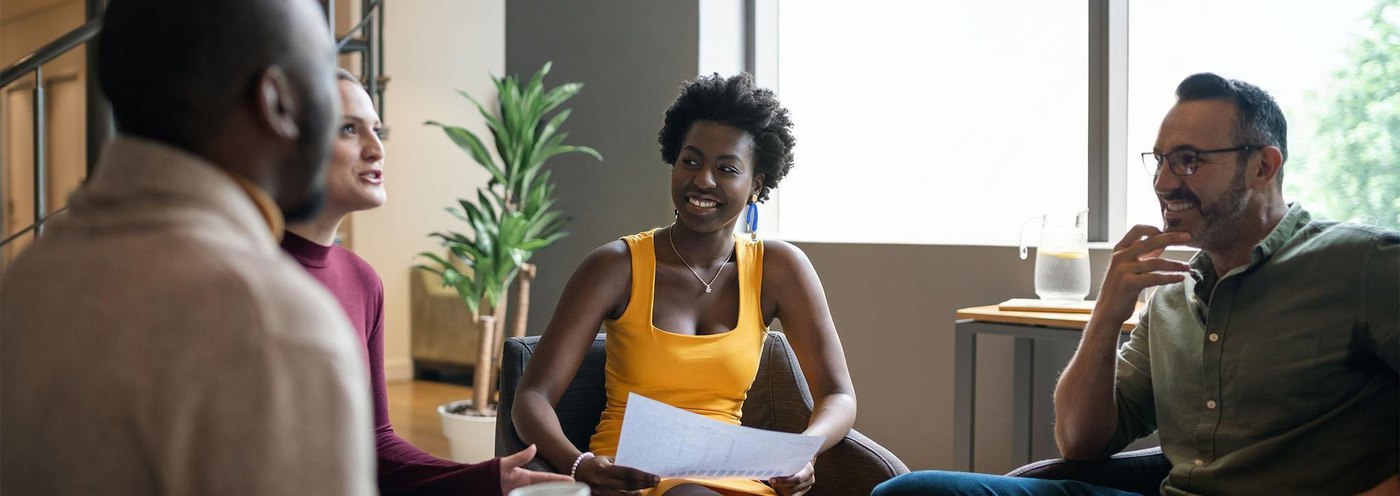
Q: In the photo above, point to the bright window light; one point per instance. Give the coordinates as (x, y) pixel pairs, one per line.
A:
(932, 122)
(1290, 49)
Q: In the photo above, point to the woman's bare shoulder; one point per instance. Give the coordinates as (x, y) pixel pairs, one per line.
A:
(604, 278)
(784, 259)
(609, 257)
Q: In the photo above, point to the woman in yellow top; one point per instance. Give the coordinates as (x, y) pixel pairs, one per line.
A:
(687, 306)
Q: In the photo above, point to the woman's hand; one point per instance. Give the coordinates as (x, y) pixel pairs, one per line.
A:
(513, 473)
(796, 484)
(605, 478)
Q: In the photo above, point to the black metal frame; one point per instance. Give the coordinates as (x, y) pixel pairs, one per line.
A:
(99, 124)
(371, 47)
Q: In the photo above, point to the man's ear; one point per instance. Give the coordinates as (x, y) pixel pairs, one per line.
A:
(1270, 164)
(277, 104)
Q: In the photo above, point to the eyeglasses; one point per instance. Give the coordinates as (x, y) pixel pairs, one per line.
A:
(1185, 162)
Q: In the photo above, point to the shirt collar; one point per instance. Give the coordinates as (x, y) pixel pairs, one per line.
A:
(266, 206)
(1292, 222)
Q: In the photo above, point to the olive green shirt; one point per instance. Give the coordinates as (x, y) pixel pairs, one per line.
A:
(1279, 377)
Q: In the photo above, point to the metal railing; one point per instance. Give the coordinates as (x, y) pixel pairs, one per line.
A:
(99, 127)
(36, 59)
(34, 63)
(371, 48)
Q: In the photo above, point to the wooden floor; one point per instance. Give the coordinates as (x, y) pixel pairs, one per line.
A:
(413, 410)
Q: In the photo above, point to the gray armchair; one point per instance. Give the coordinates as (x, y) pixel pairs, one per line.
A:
(1140, 471)
(779, 400)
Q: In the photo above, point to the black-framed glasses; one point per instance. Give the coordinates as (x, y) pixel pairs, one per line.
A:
(1185, 162)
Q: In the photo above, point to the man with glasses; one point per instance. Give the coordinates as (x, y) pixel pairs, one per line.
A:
(1269, 364)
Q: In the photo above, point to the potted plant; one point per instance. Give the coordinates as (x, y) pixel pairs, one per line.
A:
(509, 219)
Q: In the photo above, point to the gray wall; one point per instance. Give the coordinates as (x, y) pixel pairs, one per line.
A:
(893, 304)
(632, 56)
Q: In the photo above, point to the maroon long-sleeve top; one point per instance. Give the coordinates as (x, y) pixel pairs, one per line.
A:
(403, 468)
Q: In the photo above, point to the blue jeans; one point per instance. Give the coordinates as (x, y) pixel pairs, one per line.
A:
(938, 482)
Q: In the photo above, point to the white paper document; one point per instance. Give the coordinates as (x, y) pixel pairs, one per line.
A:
(671, 442)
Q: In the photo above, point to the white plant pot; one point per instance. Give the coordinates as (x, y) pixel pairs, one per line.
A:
(472, 438)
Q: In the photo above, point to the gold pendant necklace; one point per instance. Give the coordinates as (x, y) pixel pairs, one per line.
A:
(672, 238)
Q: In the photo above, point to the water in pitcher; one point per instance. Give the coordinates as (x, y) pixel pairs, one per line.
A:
(1059, 275)
(1062, 257)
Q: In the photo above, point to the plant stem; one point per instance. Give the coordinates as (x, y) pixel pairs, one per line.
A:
(481, 377)
(522, 300)
(498, 340)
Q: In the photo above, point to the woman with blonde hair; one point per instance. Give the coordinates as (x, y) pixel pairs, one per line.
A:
(354, 182)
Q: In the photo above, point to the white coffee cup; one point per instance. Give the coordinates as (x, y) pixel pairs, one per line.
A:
(553, 489)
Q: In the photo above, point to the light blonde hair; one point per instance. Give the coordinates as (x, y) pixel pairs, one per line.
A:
(343, 75)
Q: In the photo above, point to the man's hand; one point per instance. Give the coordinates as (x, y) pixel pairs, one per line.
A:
(513, 474)
(1136, 265)
(605, 478)
(796, 484)
(1086, 411)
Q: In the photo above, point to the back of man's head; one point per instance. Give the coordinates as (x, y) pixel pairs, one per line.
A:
(176, 70)
(247, 84)
(1260, 121)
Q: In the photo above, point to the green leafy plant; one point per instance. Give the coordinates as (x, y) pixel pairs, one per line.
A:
(510, 218)
(1349, 162)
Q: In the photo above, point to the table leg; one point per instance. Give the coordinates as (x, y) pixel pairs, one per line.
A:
(964, 396)
(1023, 400)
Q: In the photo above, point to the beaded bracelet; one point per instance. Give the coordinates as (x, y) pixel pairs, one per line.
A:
(581, 457)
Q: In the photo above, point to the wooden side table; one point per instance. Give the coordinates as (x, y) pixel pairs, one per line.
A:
(1026, 328)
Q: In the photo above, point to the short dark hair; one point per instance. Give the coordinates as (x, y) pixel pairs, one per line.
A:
(175, 70)
(734, 102)
(1259, 120)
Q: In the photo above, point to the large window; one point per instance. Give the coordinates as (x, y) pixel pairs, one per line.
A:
(954, 122)
(1312, 57)
(931, 122)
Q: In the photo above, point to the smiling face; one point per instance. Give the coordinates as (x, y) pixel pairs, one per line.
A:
(355, 177)
(1206, 204)
(713, 177)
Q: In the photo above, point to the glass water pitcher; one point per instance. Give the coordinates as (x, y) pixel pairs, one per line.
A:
(1061, 257)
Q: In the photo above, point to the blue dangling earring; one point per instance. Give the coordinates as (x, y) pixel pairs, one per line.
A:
(751, 217)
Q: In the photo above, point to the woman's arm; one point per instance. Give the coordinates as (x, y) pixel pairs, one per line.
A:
(796, 297)
(598, 290)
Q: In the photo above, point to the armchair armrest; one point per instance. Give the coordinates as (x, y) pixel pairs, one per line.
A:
(1141, 471)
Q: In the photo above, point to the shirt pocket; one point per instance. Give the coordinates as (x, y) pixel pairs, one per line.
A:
(1272, 388)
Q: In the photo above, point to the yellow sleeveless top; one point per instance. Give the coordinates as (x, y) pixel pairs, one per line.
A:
(709, 375)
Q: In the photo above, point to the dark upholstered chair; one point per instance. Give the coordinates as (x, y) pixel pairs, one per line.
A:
(778, 401)
(1140, 471)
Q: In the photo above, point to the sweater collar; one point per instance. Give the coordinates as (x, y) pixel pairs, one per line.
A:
(142, 173)
(267, 208)
(305, 251)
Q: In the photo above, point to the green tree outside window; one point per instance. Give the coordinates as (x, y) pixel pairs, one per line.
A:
(1349, 166)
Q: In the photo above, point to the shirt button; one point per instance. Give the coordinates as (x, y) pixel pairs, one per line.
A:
(1200, 463)
(1214, 337)
(1210, 404)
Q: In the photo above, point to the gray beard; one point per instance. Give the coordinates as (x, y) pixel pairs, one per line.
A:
(1218, 223)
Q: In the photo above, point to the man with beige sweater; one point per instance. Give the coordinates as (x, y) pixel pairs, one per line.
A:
(155, 340)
